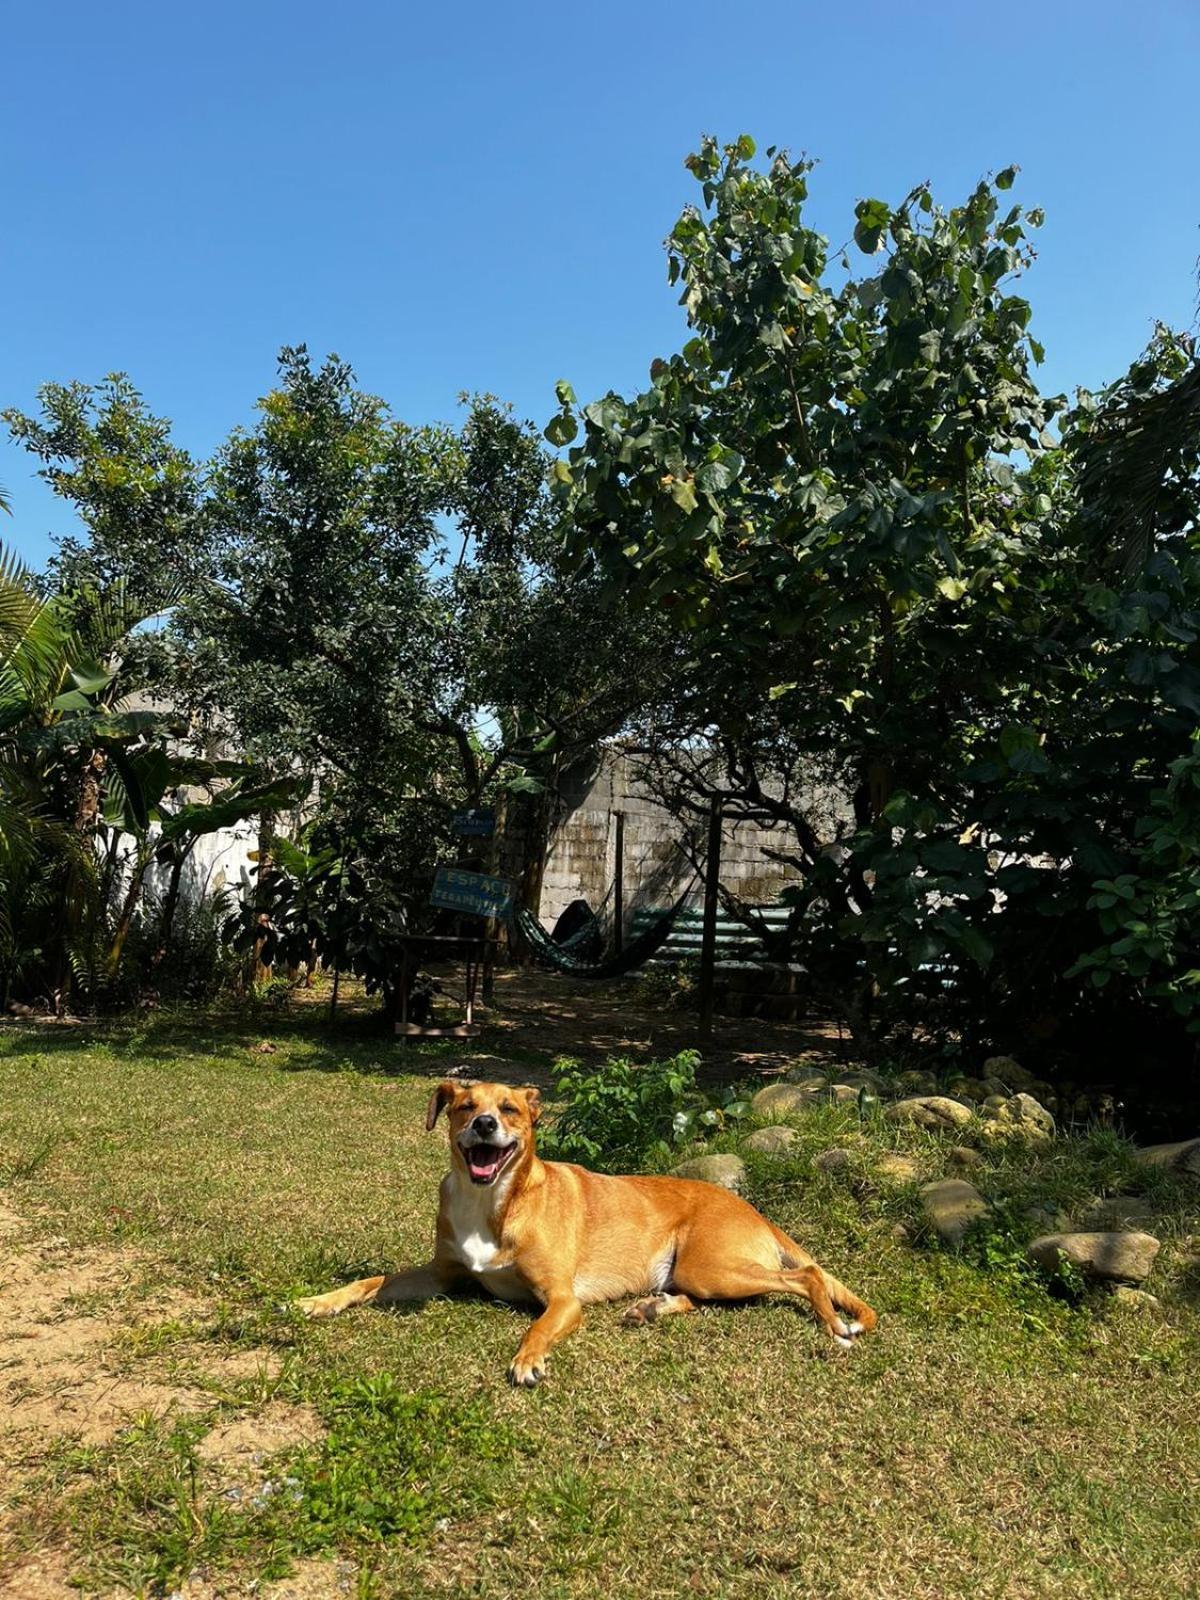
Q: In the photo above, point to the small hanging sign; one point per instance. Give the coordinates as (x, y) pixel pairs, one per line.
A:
(478, 823)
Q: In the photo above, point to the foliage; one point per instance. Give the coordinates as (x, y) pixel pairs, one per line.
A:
(356, 600)
(623, 1113)
(84, 779)
(951, 656)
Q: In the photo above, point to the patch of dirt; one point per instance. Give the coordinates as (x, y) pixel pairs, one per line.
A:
(59, 1370)
(242, 1444)
(590, 1019)
(79, 1359)
(313, 1579)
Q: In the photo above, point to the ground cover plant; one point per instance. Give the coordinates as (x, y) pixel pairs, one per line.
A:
(185, 1178)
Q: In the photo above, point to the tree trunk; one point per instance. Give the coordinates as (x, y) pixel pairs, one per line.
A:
(171, 902)
(266, 859)
(132, 895)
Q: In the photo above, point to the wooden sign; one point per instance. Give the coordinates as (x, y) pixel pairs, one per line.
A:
(474, 894)
(478, 823)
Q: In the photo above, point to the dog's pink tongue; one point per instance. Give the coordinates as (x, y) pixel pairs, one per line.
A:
(483, 1161)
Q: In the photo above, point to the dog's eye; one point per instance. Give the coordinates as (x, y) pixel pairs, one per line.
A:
(467, 1105)
(508, 1110)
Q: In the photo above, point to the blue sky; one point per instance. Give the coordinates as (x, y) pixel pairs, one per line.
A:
(474, 197)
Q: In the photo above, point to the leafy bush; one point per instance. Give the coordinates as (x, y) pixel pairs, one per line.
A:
(673, 987)
(625, 1112)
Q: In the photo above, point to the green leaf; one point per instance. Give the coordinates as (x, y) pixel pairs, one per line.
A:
(560, 430)
(873, 218)
(1004, 180)
(683, 492)
(952, 588)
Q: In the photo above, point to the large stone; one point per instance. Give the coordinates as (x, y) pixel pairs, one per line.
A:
(917, 1082)
(782, 1099)
(1135, 1299)
(843, 1094)
(1008, 1072)
(728, 1172)
(1114, 1257)
(963, 1157)
(931, 1111)
(803, 1074)
(973, 1089)
(951, 1205)
(1019, 1117)
(833, 1161)
(771, 1141)
(862, 1078)
(897, 1168)
(1181, 1157)
(1118, 1211)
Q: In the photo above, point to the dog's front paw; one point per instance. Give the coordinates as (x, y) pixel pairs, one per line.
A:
(320, 1305)
(525, 1374)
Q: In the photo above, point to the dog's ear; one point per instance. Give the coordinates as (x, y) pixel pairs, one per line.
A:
(438, 1101)
(533, 1102)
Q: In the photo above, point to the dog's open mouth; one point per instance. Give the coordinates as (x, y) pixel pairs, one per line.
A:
(485, 1162)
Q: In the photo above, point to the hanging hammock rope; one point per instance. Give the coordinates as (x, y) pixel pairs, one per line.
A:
(639, 950)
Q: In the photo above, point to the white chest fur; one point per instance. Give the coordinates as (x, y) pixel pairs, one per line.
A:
(469, 1209)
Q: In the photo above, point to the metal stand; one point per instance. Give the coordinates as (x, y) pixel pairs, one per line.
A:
(478, 957)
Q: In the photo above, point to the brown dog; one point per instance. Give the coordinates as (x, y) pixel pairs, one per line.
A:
(563, 1237)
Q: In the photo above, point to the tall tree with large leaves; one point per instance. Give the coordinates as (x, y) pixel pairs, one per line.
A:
(896, 588)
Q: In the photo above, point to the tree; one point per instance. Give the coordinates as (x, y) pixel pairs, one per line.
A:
(844, 494)
(377, 606)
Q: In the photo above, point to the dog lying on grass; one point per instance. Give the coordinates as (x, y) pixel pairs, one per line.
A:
(563, 1237)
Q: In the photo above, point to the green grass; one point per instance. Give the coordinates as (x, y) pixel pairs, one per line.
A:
(997, 1436)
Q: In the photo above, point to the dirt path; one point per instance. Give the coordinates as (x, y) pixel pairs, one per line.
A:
(552, 1015)
(89, 1347)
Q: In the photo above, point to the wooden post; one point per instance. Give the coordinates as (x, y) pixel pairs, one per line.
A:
(708, 940)
(619, 887)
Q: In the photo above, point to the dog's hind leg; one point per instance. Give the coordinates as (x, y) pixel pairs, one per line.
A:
(657, 1306)
(706, 1279)
(419, 1283)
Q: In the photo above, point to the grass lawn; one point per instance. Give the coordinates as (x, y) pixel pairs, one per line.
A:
(171, 1187)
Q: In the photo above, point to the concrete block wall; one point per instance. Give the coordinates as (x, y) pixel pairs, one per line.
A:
(581, 860)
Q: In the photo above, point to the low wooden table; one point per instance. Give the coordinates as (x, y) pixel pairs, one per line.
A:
(478, 954)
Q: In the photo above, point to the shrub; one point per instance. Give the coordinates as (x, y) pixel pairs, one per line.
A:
(624, 1113)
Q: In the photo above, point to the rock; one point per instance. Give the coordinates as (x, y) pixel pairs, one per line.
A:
(862, 1078)
(964, 1157)
(1135, 1299)
(993, 1102)
(1118, 1211)
(1008, 1072)
(832, 1161)
(973, 1089)
(1181, 1157)
(728, 1172)
(771, 1141)
(1019, 1116)
(900, 1232)
(931, 1111)
(1046, 1216)
(780, 1099)
(804, 1074)
(918, 1082)
(1113, 1257)
(843, 1094)
(951, 1206)
(895, 1168)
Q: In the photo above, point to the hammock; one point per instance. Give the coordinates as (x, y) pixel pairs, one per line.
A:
(637, 951)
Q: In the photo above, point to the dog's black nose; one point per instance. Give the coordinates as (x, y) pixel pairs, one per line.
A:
(486, 1125)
